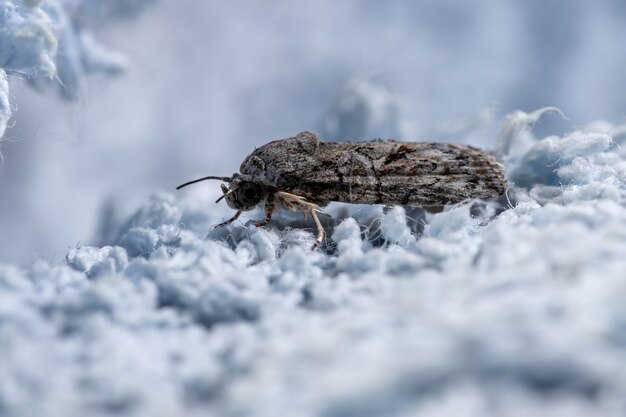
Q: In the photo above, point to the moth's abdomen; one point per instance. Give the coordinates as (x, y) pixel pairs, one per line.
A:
(378, 172)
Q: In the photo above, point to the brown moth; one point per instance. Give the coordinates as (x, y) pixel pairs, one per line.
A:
(304, 173)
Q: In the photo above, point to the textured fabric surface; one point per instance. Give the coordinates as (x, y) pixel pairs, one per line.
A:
(512, 307)
(52, 42)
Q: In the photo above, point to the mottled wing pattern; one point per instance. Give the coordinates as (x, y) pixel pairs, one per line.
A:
(378, 172)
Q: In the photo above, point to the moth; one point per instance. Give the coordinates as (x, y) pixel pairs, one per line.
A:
(303, 173)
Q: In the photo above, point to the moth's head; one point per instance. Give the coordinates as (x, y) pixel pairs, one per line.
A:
(241, 193)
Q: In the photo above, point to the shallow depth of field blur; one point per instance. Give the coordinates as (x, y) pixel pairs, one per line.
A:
(119, 296)
(208, 81)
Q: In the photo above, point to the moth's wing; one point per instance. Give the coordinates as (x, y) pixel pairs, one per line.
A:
(438, 173)
(424, 174)
(378, 172)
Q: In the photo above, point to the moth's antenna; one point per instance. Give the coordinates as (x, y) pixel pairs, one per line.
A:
(225, 179)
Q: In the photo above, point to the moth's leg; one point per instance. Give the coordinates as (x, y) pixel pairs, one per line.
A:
(320, 230)
(270, 206)
(297, 203)
(294, 202)
(232, 219)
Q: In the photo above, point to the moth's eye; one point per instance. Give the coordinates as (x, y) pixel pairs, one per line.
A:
(249, 194)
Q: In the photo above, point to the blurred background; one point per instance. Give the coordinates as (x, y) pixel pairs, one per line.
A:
(208, 81)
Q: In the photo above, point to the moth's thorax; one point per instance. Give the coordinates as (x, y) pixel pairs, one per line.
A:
(253, 167)
(269, 163)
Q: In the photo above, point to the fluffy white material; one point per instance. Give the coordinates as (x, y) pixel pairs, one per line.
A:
(27, 41)
(500, 308)
(27, 46)
(51, 41)
(5, 108)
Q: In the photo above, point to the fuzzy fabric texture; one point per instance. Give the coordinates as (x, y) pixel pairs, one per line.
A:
(512, 307)
(51, 42)
(5, 107)
(27, 46)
